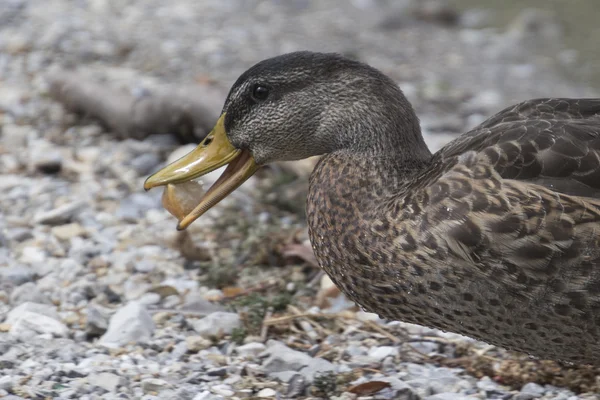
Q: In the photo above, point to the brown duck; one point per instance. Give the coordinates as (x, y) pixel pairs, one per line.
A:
(496, 236)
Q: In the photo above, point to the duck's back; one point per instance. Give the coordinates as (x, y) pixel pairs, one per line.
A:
(550, 142)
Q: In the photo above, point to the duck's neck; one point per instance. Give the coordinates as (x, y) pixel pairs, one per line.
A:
(362, 176)
(345, 186)
(378, 150)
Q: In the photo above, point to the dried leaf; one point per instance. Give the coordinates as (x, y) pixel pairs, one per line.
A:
(368, 388)
(232, 291)
(303, 252)
(181, 199)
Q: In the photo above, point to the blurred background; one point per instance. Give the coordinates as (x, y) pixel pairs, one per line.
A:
(95, 95)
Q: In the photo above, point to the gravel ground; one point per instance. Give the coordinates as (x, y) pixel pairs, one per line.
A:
(101, 298)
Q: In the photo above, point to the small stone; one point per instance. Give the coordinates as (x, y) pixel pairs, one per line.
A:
(381, 352)
(19, 234)
(149, 299)
(6, 383)
(252, 349)
(197, 343)
(131, 323)
(196, 302)
(526, 396)
(154, 385)
(145, 266)
(416, 371)
(487, 384)
(316, 366)
(217, 324)
(134, 207)
(161, 317)
(367, 316)
(48, 162)
(266, 392)
(107, 381)
(402, 389)
(223, 390)
(221, 372)
(15, 136)
(447, 396)
(425, 347)
(534, 389)
(18, 274)
(353, 350)
(44, 309)
(60, 215)
(28, 292)
(282, 358)
(214, 295)
(285, 376)
(345, 396)
(96, 323)
(206, 395)
(326, 283)
(30, 324)
(33, 255)
(68, 231)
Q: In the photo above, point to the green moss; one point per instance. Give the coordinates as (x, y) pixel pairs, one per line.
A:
(254, 308)
(220, 276)
(238, 335)
(325, 384)
(281, 301)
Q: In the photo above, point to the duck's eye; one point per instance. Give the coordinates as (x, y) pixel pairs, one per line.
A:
(260, 92)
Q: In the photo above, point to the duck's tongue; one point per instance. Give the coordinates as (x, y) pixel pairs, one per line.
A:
(214, 152)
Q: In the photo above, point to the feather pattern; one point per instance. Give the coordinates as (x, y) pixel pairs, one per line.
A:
(496, 237)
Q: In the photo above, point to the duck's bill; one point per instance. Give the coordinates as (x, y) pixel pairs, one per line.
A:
(214, 152)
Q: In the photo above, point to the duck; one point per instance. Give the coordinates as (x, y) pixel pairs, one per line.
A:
(496, 236)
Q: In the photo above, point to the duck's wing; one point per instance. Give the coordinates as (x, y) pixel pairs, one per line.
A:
(513, 203)
(550, 142)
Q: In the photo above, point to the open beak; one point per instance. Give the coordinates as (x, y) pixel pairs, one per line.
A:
(214, 152)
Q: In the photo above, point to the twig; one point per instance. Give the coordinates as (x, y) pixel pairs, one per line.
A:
(264, 330)
(180, 312)
(372, 370)
(481, 352)
(287, 318)
(183, 111)
(385, 333)
(259, 288)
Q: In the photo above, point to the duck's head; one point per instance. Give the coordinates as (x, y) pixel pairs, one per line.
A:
(292, 107)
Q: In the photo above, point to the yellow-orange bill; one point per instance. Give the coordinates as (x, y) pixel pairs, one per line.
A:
(214, 152)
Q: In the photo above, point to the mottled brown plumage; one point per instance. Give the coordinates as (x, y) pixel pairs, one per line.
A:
(495, 236)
